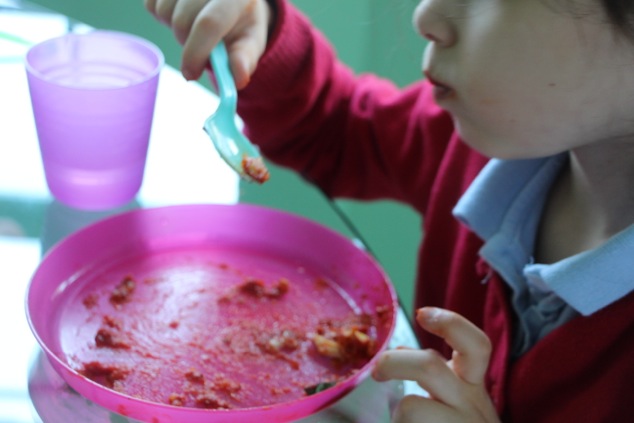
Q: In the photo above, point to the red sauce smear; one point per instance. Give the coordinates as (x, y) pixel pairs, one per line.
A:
(121, 293)
(194, 376)
(205, 393)
(107, 339)
(344, 342)
(210, 400)
(255, 168)
(102, 374)
(90, 301)
(280, 345)
(258, 289)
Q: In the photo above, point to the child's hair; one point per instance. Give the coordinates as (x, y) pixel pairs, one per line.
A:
(621, 13)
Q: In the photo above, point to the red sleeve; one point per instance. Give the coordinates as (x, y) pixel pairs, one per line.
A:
(355, 136)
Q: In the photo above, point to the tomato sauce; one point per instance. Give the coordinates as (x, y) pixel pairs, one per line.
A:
(255, 168)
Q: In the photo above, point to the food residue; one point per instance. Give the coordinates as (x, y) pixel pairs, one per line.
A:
(296, 350)
(121, 293)
(348, 343)
(103, 374)
(107, 339)
(258, 289)
(255, 168)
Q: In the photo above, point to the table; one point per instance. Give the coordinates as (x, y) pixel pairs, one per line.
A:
(182, 168)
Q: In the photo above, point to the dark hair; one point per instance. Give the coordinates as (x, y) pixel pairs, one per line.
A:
(621, 13)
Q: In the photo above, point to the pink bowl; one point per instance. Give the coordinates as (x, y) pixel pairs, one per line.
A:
(256, 236)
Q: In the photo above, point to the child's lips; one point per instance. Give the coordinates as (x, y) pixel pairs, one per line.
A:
(441, 90)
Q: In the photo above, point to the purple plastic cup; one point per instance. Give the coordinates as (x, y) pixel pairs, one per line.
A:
(93, 99)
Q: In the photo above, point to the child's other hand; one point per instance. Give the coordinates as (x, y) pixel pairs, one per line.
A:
(456, 387)
(199, 24)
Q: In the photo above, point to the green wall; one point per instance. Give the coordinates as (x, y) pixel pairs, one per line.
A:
(370, 36)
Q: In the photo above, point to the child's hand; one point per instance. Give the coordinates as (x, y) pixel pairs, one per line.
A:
(200, 24)
(456, 387)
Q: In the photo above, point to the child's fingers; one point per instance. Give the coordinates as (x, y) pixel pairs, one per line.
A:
(184, 14)
(414, 408)
(426, 367)
(220, 19)
(210, 25)
(472, 348)
(151, 6)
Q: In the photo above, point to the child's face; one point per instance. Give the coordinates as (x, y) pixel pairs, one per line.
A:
(528, 78)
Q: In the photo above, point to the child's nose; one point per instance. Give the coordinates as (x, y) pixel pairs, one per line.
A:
(433, 21)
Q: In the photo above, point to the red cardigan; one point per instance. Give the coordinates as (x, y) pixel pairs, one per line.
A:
(361, 137)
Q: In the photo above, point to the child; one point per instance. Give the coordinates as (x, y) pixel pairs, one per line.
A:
(518, 151)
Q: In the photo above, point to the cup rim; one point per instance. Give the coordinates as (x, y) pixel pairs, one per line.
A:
(160, 57)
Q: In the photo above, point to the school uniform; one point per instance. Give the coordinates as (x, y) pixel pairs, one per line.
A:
(562, 333)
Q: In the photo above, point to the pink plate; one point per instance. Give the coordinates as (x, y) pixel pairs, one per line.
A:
(210, 313)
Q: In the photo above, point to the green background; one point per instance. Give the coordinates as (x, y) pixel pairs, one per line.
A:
(370, 36)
